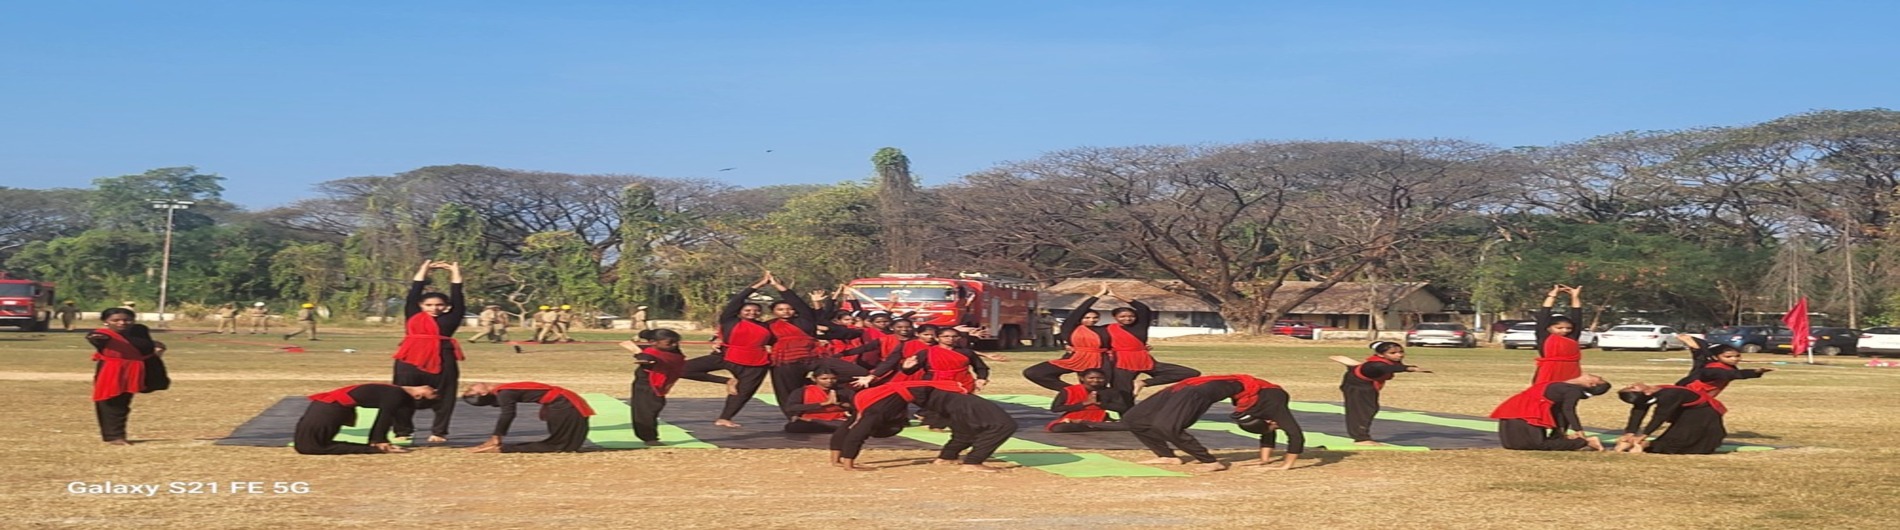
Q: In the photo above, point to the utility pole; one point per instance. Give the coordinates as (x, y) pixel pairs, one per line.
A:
(1477, 296)
(165, 267)
(1847, 250)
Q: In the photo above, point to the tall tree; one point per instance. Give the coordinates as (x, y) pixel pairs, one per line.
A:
(896, 198)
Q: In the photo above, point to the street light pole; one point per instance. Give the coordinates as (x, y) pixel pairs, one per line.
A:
(165, 266)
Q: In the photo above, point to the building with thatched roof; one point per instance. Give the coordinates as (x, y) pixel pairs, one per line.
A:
(1346, 305)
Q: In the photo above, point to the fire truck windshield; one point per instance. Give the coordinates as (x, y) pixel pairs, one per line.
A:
(906, 293)
(17, 289)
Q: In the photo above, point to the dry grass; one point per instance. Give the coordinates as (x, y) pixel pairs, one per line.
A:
(1841, 476)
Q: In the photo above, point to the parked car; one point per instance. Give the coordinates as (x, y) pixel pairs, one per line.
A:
(1876, 341)
(1298, 329)
(1824, 340)
(1749, 339)
(1441, 334)
(1640, 337)
(1524, 335)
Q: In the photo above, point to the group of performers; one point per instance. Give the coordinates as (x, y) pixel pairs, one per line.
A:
(860, 374)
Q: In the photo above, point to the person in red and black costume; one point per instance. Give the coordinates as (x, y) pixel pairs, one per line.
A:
(1259, 407)
(1694, 418)
(1559, 354)
(795, 341)
(1544, 416)
(1129, 355)
(1088, 345)
(330, 411)
(429, 354)
(742, 352)
(564, 411)
(126, 362)
(820, 407)
(950, 360)
(1714, 367)
(976, 424)
(1363, 382)
(1084, 407)
(887, 354)
(660, 365)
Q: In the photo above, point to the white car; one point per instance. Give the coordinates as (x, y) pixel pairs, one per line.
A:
(1874, 341)
(1640, 337)
(1524, 335)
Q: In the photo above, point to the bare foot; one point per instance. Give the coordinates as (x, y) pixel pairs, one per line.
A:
(1367, 442)
(118, 442)
(977, 468)
(726, 423)
(1593, 443)
(1622, 446)
(1167, 460)
(855, 467)
(437, 439)
(945, 462)
(732, 387)
(486, 449)
(1211, 466)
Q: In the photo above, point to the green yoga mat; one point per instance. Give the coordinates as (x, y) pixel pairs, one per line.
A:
(608, 427)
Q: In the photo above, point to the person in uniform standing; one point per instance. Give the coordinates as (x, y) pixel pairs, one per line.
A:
(306, 322)
(549, 321)
(67, 313)
(227, 318)
(260, 318)
(494, 323)
(563, 320)
(640, 321)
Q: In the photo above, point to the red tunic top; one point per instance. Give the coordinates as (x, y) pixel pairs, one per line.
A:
(1131, 353)
(1085, 351)
(1562, 360)
(791, 344)
(945, 364)
(121, 367)
(1711, 389)
(340, 396)
(746, 346)
(1378, 383)
(553, 393)
(1702, 398)
(1091, 413)
(814, 395)
(662, 374)
(871, 396)
(1529, 405)
(1250, 387)
(422, 344)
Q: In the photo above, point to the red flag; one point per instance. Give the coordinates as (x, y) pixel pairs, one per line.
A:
(1797, 321)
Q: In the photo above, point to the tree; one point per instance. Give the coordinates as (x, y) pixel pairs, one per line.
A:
(124, 202)
(896, 195)
(306, 271)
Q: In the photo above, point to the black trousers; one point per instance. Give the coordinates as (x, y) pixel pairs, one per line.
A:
(1362, 404)
(750, 378)
(646, 413)
(112, 416)
(1163, 420)
(316, 431)
(446, 383)
(1696, 431)
(981, 439)
(814, 427)
(1049, 376)
(1088, 426)
(1522, 436)
(567, 430)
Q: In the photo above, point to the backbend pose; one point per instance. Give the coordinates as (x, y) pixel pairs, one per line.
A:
(1559, 355)
(330, 411)
(1544, 416)
(1694, 418)
(1259, 407)
(660, 365)
(126, 362)
(1714, 367)
(564, 411)
(429, 354)
(1363, 382)
(742, 353)
(1085, 406)
(976, 424)
(820, 407)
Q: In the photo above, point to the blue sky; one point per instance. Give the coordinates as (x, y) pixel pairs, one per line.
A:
(278, 95)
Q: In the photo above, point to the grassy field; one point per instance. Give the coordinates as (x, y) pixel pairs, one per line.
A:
(1840, 471)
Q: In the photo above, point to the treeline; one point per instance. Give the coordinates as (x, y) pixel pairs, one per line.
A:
(1692, 226)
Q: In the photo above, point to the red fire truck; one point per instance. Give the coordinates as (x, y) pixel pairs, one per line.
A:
(26, 304)
(1005, 309)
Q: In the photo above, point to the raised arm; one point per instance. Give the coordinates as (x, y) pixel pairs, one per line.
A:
(412, 303)
(458, 305)
(1074, 319)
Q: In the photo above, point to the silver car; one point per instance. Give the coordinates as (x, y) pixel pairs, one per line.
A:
(1524, 335)
(1441, 334)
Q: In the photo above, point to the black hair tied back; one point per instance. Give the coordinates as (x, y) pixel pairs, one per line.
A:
(1382, 346)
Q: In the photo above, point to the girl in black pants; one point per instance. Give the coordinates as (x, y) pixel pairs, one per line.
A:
(429, 355)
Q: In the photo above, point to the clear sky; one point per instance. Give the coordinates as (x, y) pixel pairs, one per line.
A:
(276, 95)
